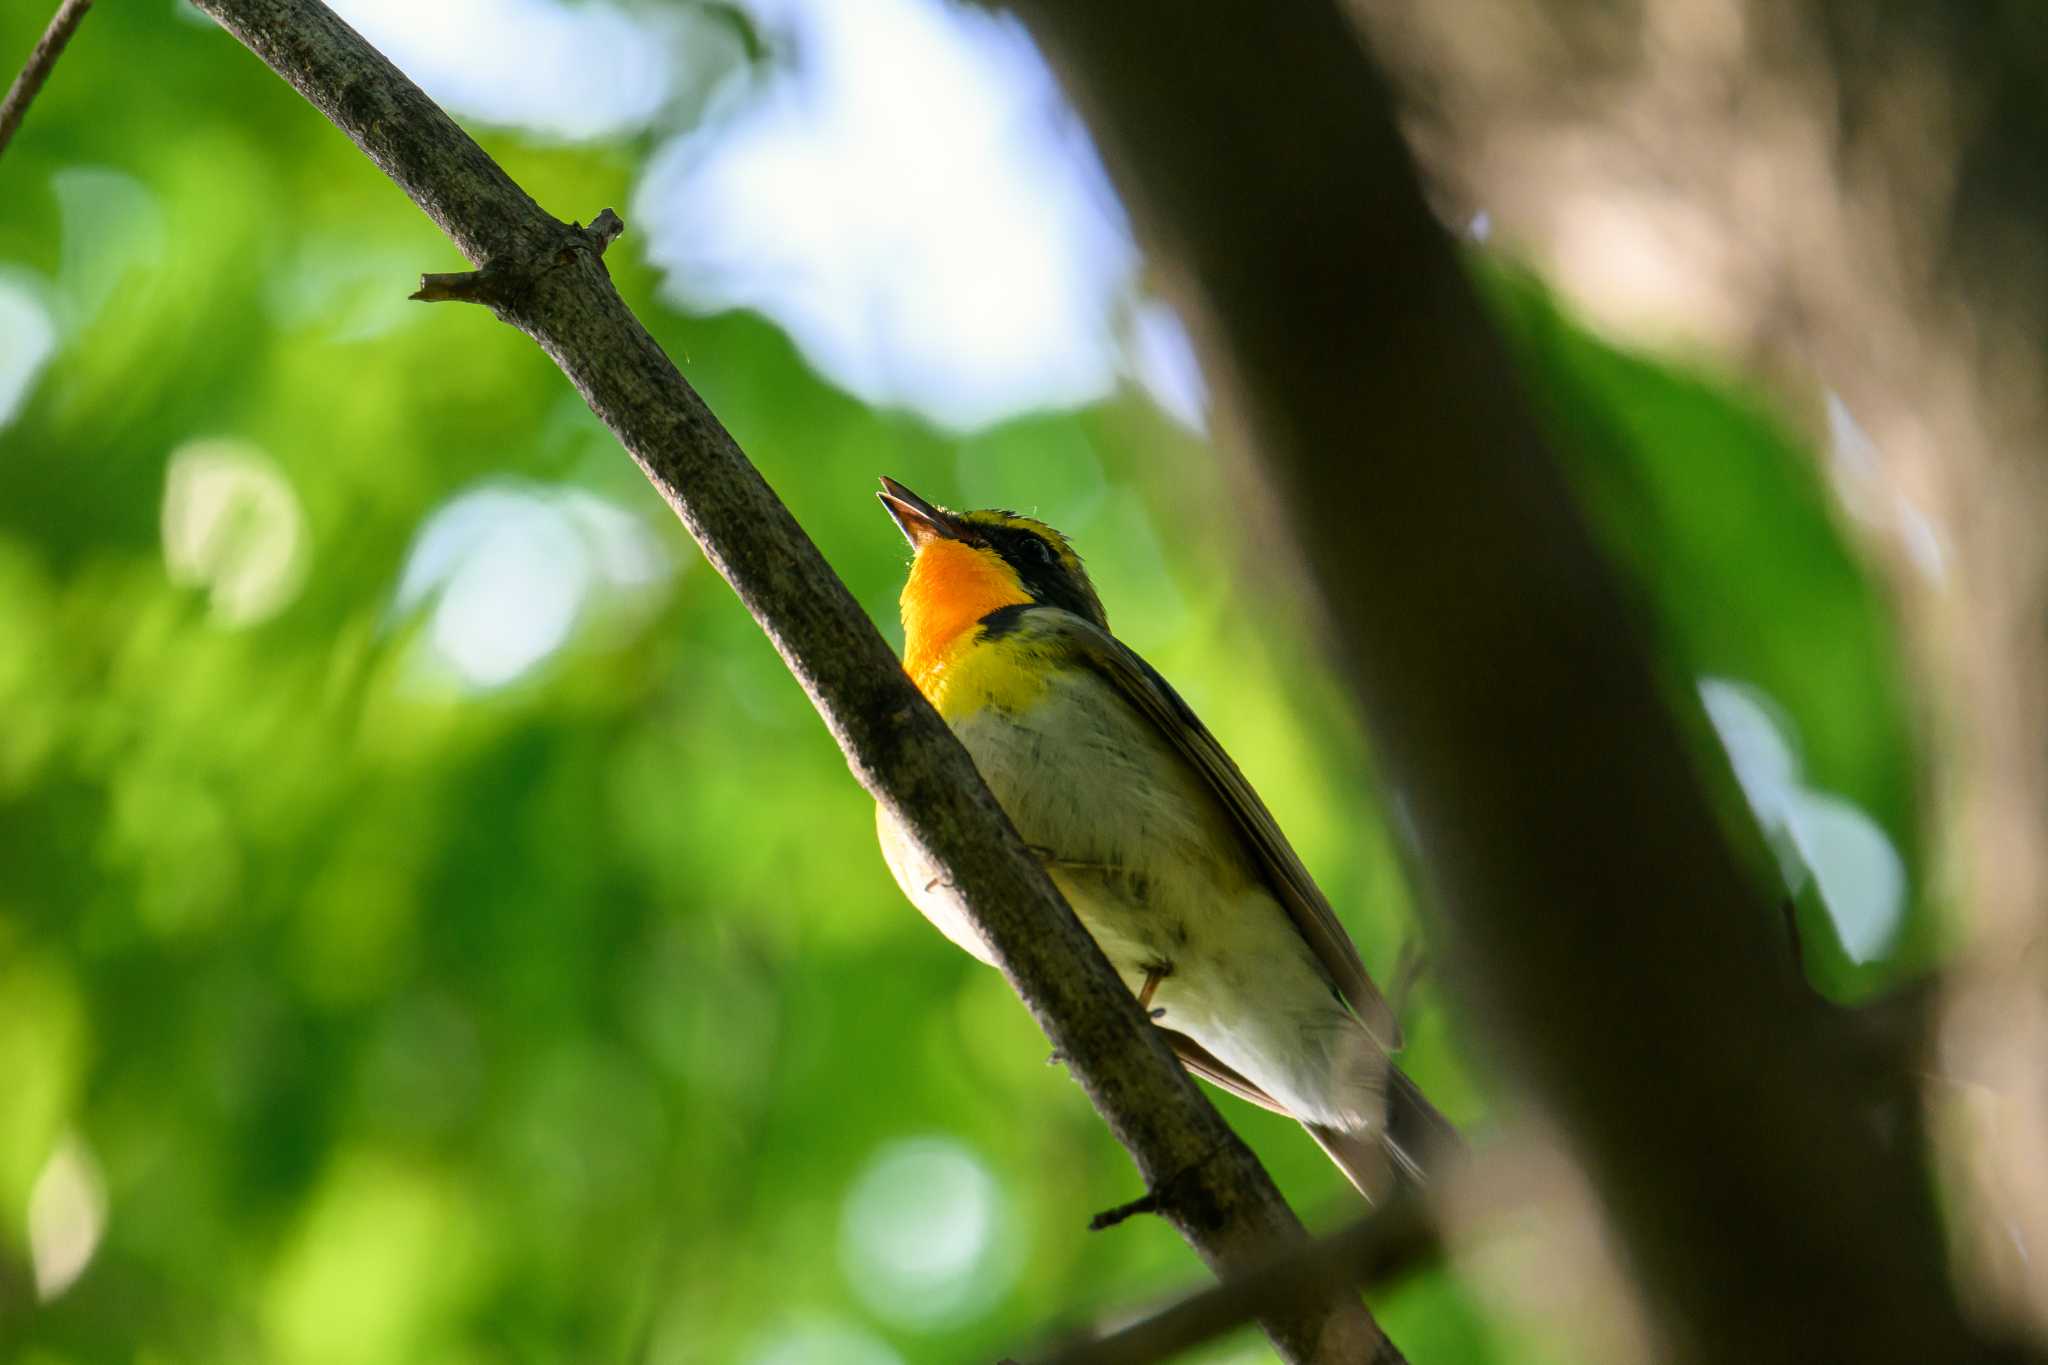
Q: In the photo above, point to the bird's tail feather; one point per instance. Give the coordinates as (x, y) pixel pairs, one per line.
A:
(1366, 1160)
(1415, 1143)
(1418, 1130)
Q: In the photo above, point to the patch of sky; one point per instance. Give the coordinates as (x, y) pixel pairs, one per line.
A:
(902, 188)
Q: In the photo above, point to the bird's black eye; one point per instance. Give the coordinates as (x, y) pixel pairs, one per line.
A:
(1037, 551)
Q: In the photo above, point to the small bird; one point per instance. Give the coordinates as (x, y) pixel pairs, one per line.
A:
(1147, 827)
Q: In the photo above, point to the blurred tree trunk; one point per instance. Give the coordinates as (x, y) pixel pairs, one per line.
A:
(1626, 959)
(1849, 196)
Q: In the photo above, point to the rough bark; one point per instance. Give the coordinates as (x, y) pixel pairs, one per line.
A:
(548, 279)
(1623, 956)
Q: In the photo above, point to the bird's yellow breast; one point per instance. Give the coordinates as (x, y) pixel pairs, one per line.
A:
(952, 587)
(976, 672)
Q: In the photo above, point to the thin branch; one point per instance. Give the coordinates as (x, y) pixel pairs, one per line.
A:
(550, 282)
(1394, 1241)
(1623, 957)
(41, 60)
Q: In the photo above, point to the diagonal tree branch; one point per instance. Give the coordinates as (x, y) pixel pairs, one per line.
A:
(41, 60)
(1623, 954)
(1393, 1241)
(548, 279)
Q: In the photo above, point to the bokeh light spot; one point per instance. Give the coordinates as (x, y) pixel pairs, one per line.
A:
(67, 1212)
(28, 338)
(1752, 730)
(511, 602)
(1862, 880)
(232, 525)
(919, 1234)
(1860, 876)
(513, 568)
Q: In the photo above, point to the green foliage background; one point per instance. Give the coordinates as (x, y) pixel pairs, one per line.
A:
(561, 1021)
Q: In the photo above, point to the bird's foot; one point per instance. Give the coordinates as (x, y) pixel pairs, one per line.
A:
(1155, 972)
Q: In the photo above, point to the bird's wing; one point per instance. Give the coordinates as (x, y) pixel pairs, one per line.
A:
(1140, 684)
(1365, 1161)
(1203, 1063)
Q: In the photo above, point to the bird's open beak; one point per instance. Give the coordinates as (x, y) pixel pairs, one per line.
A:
(917, 519)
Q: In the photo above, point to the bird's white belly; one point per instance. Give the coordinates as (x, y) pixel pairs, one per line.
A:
(1131, 834)
(1156, 870)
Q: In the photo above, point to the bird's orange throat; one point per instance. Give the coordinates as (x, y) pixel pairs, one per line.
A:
(952, 586)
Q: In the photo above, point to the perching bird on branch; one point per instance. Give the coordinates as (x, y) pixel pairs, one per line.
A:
(1165, 852)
